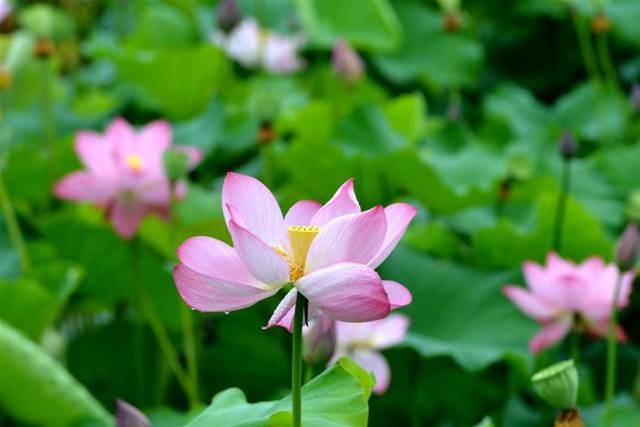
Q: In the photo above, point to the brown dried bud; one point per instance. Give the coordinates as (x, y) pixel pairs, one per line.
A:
(5, 78)
(627, 248)
(266, 133)
(601, 23)
(43, 48)
(569, 418)
(346, 62)
(452, 21)
(567, 146)
(228, 15)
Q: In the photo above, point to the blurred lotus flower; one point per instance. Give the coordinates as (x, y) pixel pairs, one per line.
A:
(252, 46)
(563, 295)
(129, 416)
(5, 9)
(328, 253)
(320, 340)
(635, 96)
(125, 173)
(363, 342)
(346, 62)
(627, 248)
(228, 15)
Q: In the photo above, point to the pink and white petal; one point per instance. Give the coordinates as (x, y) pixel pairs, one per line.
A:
(213, 258)
(530, 304)
(207, 293)
(348, 292)
(550, 334)
(390, 331)
(153, 190)
(398, 216)
(301, 213)
(83, 186)
(625, 288)
(343, 202)
(284, 312)
(375, 363)
(264, 263)
(155, 137)
(126, 217)
(539, 280)
(255, 206)
(121, 136)
(95, 152)
(349, 238)
(399, 296)
(600, 328)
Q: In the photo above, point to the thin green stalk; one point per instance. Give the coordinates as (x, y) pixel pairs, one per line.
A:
(14, 228)
(48, 124)
(575, 348)
(561, 205)
(605, 60)
(586, 46)
(611, 354)
(158, 329)
(296, 362)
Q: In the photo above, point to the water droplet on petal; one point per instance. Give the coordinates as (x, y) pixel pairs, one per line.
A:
(226, 312)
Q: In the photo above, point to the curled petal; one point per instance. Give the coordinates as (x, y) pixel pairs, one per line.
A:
(207, 293)
(550, 334)
(283, 314)
(350, 238)
(399, 296)
(214, 258)
(346, 291)
(530, 304)
(344, 202)
(264, 263)
(255, 208)
(398, 216)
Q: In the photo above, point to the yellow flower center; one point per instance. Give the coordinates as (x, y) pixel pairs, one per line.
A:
(300, 237)
(134, 162)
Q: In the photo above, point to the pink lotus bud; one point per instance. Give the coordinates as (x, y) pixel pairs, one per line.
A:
(635, 96)
(567, 146)
(346, 62)
(129, 416)
(627, 249)
(320, 340)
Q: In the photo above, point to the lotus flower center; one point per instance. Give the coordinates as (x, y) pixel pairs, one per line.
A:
(300, 237)
(134, 162)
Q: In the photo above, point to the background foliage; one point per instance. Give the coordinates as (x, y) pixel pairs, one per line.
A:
(464, 124)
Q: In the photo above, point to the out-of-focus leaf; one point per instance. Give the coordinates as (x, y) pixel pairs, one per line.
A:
(372, 25)
(593, 111)
(337, 397)
(624, 15)
(179, 82)
(163, 25)
(444, 324)
(517, 109)
(438, 59)
(625, 413)
(41, 391)
(368, 131)
(406, 114)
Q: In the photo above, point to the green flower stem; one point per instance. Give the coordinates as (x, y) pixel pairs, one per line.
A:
(561, 205)
(48, 124)
(611, 354)
(189, 341)
(585, 44)
(575, 348)
(605, 60)
(14, 228)
(296, 362)
(158, 329)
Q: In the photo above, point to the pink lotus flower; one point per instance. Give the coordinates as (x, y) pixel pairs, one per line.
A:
(328, 253)
(563, 295)
(125, 173)
(5, 9)
(362, 342)
(252, 46)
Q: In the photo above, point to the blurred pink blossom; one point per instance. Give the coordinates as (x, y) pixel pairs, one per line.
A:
(346, 62)
(124, 173)
(328, 252)
(5, 9)
(563, 295)
(363, 341)
(253, 46)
